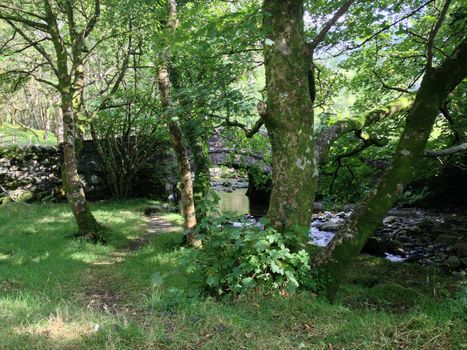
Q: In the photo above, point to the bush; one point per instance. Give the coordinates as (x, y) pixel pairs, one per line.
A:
(237, 260)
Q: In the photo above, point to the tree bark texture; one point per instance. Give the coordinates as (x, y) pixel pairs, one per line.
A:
(348, 242)
(289, 116)
(187, 202)
(88, 227)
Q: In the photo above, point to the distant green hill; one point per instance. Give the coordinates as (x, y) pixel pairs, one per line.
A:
(16, 134)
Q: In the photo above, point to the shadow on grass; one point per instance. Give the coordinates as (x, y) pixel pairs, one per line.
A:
(42, 269)
(43, 277)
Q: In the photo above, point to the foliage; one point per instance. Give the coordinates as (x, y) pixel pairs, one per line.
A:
(207, 206)
(258, 178)
(237, 260)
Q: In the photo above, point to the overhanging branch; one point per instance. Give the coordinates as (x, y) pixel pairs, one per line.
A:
(446, 152)
(326, 139)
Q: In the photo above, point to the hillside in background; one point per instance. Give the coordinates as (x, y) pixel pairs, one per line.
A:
(11, 134)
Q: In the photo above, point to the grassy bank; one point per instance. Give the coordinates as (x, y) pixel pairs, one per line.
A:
(16, 134)
(58, 293)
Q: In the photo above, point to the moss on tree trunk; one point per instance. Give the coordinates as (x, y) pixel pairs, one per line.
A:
(289, 116)
(186, 184)
(88, 227)
(348, 242)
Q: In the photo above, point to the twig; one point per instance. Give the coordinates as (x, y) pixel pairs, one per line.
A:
(9, 196)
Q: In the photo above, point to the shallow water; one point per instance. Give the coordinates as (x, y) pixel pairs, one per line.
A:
(236, 201)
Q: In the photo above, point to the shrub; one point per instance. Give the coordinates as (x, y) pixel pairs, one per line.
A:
(236, 260)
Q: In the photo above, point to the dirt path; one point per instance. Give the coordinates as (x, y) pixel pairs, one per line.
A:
(99, 294)
(156, 226)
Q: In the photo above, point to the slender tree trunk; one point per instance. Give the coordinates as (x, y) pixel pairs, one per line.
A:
(186, 184)
(88, 227)
(288, 116)
(198, 140)
(348, 242)
(46, 124)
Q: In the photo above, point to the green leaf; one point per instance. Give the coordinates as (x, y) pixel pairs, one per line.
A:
(276, 269)
(261, 245)
(212, 281)
(248, 282)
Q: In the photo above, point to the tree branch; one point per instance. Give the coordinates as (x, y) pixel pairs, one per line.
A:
(92, 22)
(445, 152)
(325, 140)
(35, 44)
(28, 22)
(433, 32)
(383, 29)
(249, 133)
(329, 24)
(386, 86)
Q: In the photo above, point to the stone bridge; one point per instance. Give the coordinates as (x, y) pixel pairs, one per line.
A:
(220, 154)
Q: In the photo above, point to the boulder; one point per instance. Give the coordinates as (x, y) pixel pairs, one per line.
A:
(349, 207)
(330, 226)
(379, 246)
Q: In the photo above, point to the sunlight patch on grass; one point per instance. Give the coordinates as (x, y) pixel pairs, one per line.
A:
(40, 258)
(87, 257)
(56, 328)
(4, 256)
(146, 298)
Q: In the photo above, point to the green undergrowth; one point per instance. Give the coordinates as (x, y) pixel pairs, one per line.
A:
(17, 134)
(59, 293)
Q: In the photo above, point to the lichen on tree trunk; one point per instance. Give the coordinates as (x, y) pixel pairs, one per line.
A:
(186, 184)
(88, 227)
(348, 242)
(198, 141)
(289, 116)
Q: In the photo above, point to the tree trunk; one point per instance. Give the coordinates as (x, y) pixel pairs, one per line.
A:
(348, 242)
(289, 116)
(46, 124)
(187, 202)
(88, 227)
(186, 184)
(58, 126)
(198, 140)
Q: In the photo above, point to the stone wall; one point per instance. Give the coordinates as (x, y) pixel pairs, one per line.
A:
(27, 172)
(35, 173)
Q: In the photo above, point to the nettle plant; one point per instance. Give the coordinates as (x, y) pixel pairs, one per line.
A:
(237, 259)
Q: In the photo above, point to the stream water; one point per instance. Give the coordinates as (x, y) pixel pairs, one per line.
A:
(427, 237)
(236, 201)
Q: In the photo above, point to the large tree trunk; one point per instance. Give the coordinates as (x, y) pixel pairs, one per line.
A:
(186, 184)
(88, 227)
(288, 116)
(348, 242)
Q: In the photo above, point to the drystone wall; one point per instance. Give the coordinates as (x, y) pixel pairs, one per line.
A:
(35, 173)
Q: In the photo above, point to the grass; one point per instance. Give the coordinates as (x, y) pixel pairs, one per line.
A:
(19, 135)
(59, 293)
